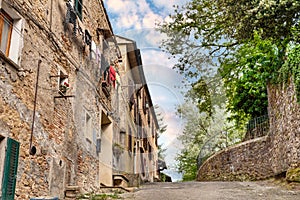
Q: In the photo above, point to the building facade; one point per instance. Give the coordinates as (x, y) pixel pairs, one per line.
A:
(60, 117)
(138, 120)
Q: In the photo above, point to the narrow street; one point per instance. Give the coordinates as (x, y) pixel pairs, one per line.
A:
(213, 191)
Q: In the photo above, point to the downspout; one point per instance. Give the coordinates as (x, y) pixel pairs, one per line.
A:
(51, 10)
(32, 149)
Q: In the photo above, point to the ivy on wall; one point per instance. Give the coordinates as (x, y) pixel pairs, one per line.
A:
(291, 68)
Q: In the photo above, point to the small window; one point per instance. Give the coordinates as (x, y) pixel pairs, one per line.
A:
(129, 140)
(88, 127)
(63, 83)
(78, 8)
(122, 138)
(6, 26)
(98, 145)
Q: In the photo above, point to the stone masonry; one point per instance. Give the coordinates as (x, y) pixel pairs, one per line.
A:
(67, 122)
(274, 154)
(63, 155)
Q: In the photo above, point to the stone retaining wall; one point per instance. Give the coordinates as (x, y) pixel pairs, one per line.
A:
(264, 157)
(247, 161)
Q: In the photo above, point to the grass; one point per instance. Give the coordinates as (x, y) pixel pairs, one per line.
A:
(98, 196)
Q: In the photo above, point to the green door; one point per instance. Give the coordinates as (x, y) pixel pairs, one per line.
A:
(10, 169)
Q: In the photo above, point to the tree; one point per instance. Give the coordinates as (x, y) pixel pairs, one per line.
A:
(291, 67)
(201, 28)
(204, 34)
(193, 136)
(161, 130)
(247, 40)
(202, 130)
(246, 74)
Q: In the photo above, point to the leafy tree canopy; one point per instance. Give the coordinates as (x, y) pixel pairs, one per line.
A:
(246, 73)
(245, 42)
(219, 26)
(202, 135)
(231, 33)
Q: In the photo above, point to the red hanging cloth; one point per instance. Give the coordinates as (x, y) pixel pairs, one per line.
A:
(112, 75)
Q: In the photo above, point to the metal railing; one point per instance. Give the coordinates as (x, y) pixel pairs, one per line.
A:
(257, 127)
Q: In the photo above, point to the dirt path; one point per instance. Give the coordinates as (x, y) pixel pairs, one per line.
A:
(213, 191)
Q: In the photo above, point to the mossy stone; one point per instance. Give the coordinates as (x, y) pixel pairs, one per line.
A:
(293, 175)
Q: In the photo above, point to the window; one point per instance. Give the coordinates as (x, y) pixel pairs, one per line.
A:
(88, 127)
(98, 145)
(11, 27)
(63, 83)
(6, 26)
(129, 140)
(78, 8)
(122, 138)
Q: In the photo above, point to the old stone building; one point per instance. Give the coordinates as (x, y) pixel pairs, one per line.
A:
(138, 123)
(60, 105)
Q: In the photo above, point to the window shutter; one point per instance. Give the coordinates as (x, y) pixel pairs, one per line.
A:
(78, 8)
(98, 145)
(10, 169)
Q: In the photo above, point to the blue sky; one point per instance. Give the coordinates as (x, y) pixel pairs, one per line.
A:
(136, 19)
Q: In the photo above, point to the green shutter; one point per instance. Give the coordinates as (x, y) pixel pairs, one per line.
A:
(10, 169)
(78, 8)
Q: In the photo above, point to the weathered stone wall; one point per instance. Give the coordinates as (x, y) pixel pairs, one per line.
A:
(277, 153)
(247, 161)
(285, 128)
(64, 155)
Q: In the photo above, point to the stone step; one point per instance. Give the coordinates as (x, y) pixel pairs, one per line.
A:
(72, 191)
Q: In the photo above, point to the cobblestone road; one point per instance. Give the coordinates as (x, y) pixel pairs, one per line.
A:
(213, 191)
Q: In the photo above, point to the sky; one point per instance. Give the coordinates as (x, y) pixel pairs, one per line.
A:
(136, 20)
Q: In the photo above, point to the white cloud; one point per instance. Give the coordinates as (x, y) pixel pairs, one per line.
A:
(150, 19)
(132, 14)
(154, 37)
(157, 57)
(143, 6)
(128, 21)
(119, 6)
(168, 5)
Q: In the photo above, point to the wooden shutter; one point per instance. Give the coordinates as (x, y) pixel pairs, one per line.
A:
(10, 169)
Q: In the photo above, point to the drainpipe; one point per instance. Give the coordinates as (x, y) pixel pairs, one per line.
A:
(51, 10)
(32, 149)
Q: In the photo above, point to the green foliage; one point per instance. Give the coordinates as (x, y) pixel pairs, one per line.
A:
(246, 74)
(98, 196)
(248, 40)
(203, 27)
(202, 133)
(161, 130)
(188, 163)
(193, 136)
(291, 68)
(249, 35)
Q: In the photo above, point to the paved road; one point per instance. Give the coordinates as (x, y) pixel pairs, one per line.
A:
(213, 191)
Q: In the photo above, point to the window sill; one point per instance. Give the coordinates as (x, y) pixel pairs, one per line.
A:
(9, 61)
